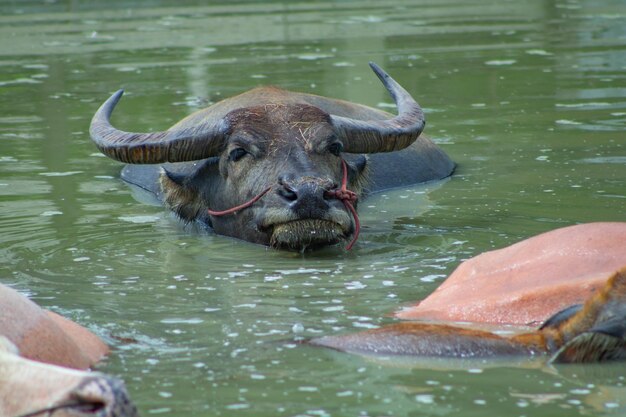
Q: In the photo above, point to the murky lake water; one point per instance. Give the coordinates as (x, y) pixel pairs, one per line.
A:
(529, 98)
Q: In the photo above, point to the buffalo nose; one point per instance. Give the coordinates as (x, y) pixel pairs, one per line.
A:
(103, 396)
(306, 196)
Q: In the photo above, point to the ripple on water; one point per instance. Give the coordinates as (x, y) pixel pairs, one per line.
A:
(620, 160)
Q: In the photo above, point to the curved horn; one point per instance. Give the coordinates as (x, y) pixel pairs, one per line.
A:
(371, 136)
(187, 144)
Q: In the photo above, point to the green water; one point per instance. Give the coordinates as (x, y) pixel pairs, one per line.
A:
(528, 97)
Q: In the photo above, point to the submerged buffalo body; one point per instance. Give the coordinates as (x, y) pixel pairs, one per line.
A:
(300, 158)
(29, 388)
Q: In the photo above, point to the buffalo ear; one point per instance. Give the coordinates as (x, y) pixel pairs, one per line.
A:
(358, 172)
(180, 195)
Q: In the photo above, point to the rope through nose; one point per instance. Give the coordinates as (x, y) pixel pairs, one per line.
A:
(347, 197)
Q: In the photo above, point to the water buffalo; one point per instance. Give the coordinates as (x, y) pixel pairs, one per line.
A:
(592, 332)
(44, 336)
(37, 381)
(276, 167)
(29, 388)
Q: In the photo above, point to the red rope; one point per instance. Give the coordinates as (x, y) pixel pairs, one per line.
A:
(347, 197)
(241, 206)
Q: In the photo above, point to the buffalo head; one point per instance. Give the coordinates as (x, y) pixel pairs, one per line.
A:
(287, 150)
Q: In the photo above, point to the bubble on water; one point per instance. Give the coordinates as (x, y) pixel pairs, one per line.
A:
(360, 318)
(604, 160)
(139, 219)
(497, 62)
(297, 328)
(59, 174)
(238, 406)
(36, 66)
(566, 122)
(539, 52)
(182, 321)
(159, 410)
(19, 81)
(320, 413)
(582, 105)
(431, 278)
(236, 274)
(355, 285)
(580, 391)
(307, 271)
(236, 352)
(366, 19)
(343, 64)
(425, 398)
(364, 325)
(51, 213)
(397, 268)
(272, 278)
(313, 56)
(248, 305)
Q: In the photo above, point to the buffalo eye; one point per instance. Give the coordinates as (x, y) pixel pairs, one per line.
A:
(335, 148)
(236, 154)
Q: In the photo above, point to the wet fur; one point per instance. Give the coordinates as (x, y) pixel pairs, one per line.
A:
(181, 198)
(267, 136)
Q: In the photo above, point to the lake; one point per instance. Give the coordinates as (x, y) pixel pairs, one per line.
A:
(528, 97)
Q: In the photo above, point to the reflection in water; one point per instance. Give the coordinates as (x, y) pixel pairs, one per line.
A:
(526, 96)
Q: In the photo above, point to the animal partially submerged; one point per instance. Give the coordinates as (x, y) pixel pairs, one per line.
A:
(29, 388)
(37, 348)
(285, 152)
(593, 332)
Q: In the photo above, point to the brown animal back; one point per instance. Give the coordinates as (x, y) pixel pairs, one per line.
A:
(423, 339)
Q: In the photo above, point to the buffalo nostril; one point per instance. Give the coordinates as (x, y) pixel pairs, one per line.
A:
(329, 191)
(288, 193)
